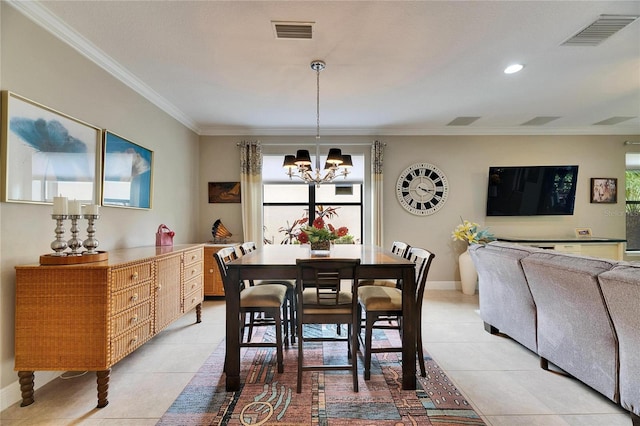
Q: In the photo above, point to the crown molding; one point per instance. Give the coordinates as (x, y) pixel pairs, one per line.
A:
(39, 14)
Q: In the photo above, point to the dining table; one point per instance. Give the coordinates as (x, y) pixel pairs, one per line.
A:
(279, 262)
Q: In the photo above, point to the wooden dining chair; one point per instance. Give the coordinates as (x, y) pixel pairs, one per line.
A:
(320, 303)
(379, 303)
(398, 248)
(289, 318)
(268, 299)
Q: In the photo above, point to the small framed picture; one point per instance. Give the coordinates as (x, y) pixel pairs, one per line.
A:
(224, 192)
(604, 190)
(583, 232)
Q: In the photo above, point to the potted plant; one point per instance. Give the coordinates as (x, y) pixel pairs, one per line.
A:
(319, 235)
(471, 233)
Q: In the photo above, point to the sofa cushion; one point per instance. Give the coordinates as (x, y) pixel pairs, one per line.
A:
(621, 290)
(505, 300)
(574, 328)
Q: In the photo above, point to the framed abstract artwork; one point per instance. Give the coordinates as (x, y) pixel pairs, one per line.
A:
(224, 192)
(604, 190)
(46, 153)
(127, 173)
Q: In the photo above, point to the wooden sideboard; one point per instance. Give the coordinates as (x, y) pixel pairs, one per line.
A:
(87, 317)
(213, 285)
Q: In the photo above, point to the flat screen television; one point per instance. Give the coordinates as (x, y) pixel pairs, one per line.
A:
(531, 190)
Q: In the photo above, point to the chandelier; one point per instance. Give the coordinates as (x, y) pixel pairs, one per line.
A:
(299, 165)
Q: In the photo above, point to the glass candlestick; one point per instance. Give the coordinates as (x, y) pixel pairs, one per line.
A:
(59, 244)
(91, 243)
(74, 243)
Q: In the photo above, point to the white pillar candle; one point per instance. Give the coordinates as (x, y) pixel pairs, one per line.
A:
(75, 207)
(60, 205)
(92, 209)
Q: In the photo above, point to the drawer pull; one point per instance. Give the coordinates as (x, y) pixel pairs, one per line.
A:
(134, 319)
(134, 340)
(134, 276)
(159, 287)
(134, 297)
(211, 271)
(194, 257)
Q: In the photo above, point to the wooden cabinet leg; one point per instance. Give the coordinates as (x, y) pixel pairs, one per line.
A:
(103, 387)
(199, 313)
(26, 380)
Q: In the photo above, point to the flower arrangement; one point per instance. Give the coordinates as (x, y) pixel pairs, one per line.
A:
(319, 231)
(471, 233)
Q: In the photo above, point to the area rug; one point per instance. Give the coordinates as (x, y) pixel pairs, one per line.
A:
(269, 398)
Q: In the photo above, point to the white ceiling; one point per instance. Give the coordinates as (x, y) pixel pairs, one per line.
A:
(393, 67)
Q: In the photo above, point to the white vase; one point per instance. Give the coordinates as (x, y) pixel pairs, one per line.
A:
(468, 273)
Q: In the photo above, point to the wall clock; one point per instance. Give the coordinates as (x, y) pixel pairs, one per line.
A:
(422, 189)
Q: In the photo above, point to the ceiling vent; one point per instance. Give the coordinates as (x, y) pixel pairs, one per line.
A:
(293, 30)
(462, 121)
(612, 121)
(540, 121)
(600, 30)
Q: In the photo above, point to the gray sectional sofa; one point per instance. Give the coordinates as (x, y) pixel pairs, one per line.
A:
(580, 313)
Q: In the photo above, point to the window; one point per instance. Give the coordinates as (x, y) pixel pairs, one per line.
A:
(290, 205)
(632, 200)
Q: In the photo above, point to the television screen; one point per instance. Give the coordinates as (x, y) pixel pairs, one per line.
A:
(531, 190)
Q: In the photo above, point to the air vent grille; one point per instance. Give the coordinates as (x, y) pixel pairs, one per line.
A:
(540, 121)
(600, 30)
(462, 121)
(612, 121)
(293, 30)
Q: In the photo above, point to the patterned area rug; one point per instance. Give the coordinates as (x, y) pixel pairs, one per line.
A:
(267, 398)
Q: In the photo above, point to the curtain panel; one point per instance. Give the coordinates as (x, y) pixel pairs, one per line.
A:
(251, 193)
(377, 156)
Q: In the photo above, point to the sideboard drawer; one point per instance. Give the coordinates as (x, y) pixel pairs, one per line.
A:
(192, 271)
(194, 297)
(128, 342)
(131, 297)
(193, 256)
(131, 318)
(131, 275)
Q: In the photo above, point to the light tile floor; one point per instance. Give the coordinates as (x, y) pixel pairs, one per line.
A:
(500, 378)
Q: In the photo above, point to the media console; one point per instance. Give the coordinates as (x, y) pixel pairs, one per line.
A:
(607, 248)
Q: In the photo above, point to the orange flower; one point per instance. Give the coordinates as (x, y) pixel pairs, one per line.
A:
(342, 231)
(318, 223)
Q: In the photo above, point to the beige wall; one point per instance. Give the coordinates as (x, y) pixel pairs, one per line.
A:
(38, 66)
(465, 160)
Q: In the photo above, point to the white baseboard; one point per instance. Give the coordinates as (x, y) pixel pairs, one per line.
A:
(11, 394)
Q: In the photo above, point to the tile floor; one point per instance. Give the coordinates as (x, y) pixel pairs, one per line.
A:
(500, 378)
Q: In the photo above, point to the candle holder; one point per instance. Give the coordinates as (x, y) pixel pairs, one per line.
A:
(74, 243)
(59, 244)
(91, 243)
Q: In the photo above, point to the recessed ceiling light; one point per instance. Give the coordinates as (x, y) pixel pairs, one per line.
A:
(513, 68)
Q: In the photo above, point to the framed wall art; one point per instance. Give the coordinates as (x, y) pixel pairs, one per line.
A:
(224, 192)
(604, 190)
(583, 232)
(46, 153)
(127, 173)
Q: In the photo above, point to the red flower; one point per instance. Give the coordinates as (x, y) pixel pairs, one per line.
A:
(342, 231)
(318, 223)
(303, 238)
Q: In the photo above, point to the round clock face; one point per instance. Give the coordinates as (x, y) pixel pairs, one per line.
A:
(422, 189)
